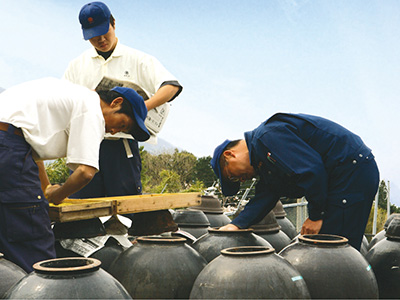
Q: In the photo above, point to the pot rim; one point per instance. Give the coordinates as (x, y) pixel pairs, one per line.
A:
(216, 230)
(323, 239)
(247, 250)
(160, 239)
(60, 265)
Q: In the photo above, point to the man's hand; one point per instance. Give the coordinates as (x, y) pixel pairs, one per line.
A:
(230, 227)
(311, 227)
(49, 193)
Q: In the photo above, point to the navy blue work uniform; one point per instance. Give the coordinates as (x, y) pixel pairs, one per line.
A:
(118, 174)
(25, 233)
(299, 155)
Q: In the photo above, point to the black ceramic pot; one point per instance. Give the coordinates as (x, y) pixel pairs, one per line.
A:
(193, 221)
(10, 274)
(211, 244)
(269, 229)
(213, 210)
(332, 268)
(249, 273)
(106, 255)
(68, 278)
(286, 225)
(384, 258)
(381, 234)
(158, 268)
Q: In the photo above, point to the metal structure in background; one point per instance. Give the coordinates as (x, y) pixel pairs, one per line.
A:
(297, 212)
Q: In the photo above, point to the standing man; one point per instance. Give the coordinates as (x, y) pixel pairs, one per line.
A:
(120, 163)
(299, 155)
(47, 119)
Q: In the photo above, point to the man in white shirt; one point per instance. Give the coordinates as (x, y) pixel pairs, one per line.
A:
(47, 119)
(120, 163)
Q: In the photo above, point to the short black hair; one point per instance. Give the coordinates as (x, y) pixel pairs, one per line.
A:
(126, 107)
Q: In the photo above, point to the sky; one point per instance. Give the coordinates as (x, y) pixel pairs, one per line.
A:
(239, 62)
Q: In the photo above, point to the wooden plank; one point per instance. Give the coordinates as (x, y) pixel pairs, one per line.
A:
(82, 209)
(151, 202)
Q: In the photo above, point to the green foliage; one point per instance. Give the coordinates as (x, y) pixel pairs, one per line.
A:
(170, 182)
(57, 171)
(380, 220)
(202, 171)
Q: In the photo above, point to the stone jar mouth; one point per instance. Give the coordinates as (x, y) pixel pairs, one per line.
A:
(161, 239)
(323, 239)
(247, 251)
(239, 231)
(67, 265)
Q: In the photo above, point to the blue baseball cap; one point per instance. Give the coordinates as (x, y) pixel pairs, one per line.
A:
(139, 109)
(95, 19)
(228, 187)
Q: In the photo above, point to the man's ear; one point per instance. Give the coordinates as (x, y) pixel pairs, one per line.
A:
(229, 154)
(116, 102)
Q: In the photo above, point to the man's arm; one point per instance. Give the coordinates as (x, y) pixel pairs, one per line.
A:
(78, 179)
(163, 95)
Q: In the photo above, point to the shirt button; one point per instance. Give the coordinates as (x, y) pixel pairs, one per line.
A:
(39, 197)
(344, 201)
(138, 188)
(360, 155)
(354, 162)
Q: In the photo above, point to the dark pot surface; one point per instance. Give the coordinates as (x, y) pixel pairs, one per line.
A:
(384, 258)
(277, 239)
(217, 219)
(68, 278)
(331, 267)
(211, 244)
(249, 273)
(10, 274)
(158, 268)
(287, 227)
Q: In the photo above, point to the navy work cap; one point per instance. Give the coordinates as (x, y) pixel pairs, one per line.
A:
(228, 187)
(139, 109)
(95, 19)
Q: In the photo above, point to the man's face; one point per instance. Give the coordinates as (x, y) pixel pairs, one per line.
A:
(105, 43)
(237, 166)
(118, 122)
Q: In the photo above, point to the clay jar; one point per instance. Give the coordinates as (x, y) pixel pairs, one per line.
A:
(10, 274)
(286, 225)
(213, 210)
(193, 221)
(211, 244)
(381, 234)
(249, 273)
(384, 258)
(331, 267)
(158, 268)
(269, 229)
(68, 278)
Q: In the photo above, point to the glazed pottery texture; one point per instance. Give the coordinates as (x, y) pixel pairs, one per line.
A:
(211, 244)
(68, 278)
(158, 268)
(249, 273)
(384, 258)
(332, 268)
(10, 274)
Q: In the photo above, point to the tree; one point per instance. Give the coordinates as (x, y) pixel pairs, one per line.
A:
(57, 171)
(203, 171)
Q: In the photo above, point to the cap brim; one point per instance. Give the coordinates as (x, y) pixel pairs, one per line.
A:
(98, 30)
(140, 131)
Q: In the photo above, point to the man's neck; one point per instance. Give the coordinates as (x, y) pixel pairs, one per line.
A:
(105, 55)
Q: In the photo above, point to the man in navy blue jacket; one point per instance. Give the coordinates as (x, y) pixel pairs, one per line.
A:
(298, 155)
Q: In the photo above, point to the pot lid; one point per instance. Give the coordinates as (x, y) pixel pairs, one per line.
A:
(79, 229)
(209, 204)
(393, 230)
(278, 210)
(267, 224)
(389, 219)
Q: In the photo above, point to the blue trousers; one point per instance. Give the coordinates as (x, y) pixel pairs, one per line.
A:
(25, 233)
(118, 175)
(352, 190)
